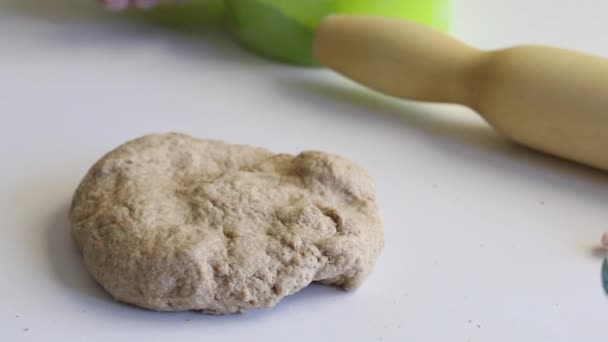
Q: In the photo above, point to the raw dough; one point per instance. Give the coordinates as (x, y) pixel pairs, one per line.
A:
(170, 222)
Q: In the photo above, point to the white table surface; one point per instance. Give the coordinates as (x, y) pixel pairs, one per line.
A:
(485, 241)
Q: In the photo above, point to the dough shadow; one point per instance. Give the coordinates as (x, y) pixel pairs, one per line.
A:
(173, 27)
(65, 259)
(312, 296)
(474, 142)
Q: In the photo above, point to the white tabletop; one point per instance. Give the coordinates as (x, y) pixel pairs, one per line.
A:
(485, 241)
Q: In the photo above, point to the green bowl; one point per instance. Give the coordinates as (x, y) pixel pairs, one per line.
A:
(283, 30)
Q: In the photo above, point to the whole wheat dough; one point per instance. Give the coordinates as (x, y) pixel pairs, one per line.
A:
(170, 222)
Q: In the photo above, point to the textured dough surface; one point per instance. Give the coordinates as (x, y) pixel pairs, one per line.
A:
(170, 222)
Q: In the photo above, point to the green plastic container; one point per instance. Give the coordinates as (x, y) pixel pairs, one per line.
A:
(283, 29)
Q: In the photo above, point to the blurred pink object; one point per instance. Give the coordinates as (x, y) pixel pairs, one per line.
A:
(605, 240)
(119, 5)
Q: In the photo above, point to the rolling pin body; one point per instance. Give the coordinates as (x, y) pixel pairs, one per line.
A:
(549, 99)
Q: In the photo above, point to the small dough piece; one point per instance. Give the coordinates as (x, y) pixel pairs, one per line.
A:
(169, 222)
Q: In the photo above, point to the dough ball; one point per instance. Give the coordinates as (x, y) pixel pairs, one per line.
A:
(170, 222)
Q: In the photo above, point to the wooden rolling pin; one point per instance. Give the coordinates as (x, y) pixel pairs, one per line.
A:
(549, 99)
